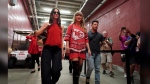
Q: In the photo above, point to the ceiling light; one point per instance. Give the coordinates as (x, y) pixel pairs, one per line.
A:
(46, 20)
(66, 19)
(61, 11)
(83, 5)
(47, 9)
(42, 17)
(65, 26)
(63, 22)
(64, 12)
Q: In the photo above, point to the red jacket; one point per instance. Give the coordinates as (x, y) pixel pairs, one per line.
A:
(33, 48)
(77, 38)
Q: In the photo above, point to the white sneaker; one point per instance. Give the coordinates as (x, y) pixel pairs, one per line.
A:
(125, 75)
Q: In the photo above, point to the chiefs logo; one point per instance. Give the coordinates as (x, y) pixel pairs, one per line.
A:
(77, 34)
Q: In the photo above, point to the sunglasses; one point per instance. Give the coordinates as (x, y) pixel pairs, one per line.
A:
(56, 12)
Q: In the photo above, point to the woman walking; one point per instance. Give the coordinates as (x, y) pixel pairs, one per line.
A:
(52, 53)
(76, 41)
(33, 50)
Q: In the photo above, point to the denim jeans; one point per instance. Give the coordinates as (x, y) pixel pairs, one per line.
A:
(93, 62)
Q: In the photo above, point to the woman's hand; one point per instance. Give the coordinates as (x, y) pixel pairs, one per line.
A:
(66, 57)
(30, 33)
(67, 51)
(62, 54)
(89, 52)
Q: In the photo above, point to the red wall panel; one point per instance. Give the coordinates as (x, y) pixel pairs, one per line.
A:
(17, 19)
(112, 16)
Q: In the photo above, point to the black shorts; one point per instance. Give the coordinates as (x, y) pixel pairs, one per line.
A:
(123, 57)
(132, 60)
(138, 58)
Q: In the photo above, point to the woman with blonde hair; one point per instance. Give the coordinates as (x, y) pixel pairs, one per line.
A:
(76, 42)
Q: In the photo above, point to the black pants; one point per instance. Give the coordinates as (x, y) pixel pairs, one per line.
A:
(51, 64)
(35, 57)
(70, 65)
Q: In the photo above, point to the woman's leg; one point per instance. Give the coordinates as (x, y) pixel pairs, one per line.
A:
(33, 62)
(70, 66)
(80, 65)
(56, 64)
(75, 63)
(138, 68)
(37, 59)
(46, 65)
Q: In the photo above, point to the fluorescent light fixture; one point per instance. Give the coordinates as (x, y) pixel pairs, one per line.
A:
(39, 17)
(61, 11)
(103, 1)
(65, 26)
(65, 12)
(47, 9)
(66, 19)
(83, 5)
(43, 17)
(63, 22)
(46, 20)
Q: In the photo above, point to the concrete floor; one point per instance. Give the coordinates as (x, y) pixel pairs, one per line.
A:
(23, 76)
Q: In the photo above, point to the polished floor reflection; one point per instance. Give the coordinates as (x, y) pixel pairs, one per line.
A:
(23, 76)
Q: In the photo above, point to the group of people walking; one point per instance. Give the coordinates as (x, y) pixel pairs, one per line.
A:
(80, 45)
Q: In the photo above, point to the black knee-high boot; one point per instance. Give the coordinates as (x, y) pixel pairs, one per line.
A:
(75, 72)
(70, 66)
(80, 69)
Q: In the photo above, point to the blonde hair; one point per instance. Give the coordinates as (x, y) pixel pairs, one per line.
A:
(82, 23)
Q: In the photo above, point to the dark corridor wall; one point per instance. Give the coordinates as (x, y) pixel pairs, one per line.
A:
(112, 16)
(17, 19)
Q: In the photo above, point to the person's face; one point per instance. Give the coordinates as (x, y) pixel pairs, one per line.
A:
(78, 17)
(56, 14)
(105, 34)
(125, 33)
(137, 37)
(95, 25)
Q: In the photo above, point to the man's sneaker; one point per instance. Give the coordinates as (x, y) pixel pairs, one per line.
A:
(104, 72)
(125, 75)
(111, 74)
